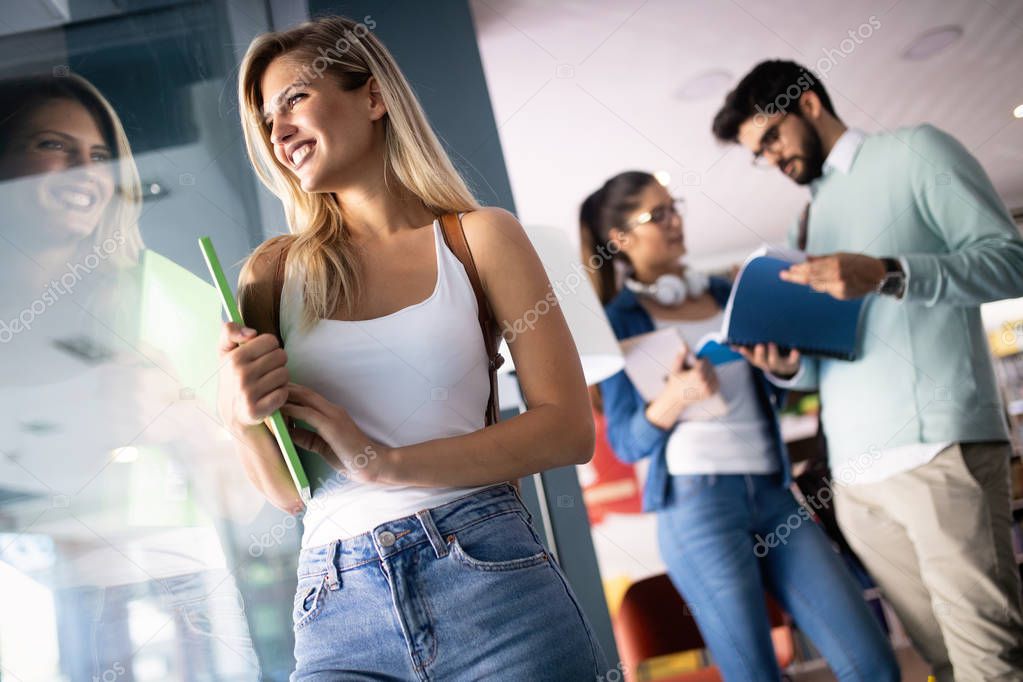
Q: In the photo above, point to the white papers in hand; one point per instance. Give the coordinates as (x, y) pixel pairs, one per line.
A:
(648, 361)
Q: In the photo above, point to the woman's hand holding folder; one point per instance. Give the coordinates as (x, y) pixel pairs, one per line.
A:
(336, 438)
(253, 385)
(254, 375)
(691, 380)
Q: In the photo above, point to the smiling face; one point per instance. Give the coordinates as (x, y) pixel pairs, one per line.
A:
(652, 243)
(786, 141)
(68, 164)
(321, 133)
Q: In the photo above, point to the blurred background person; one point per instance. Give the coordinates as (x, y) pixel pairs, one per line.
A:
(718, 484)
(910, 219)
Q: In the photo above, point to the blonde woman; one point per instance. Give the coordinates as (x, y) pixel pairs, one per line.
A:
(418, 560)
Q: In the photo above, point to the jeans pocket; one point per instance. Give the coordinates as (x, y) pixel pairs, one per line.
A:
(502, 543)
(309, 595)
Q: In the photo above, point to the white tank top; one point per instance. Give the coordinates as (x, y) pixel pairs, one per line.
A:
(415, 375)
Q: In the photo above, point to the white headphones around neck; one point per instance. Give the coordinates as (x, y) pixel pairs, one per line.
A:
(670, 289)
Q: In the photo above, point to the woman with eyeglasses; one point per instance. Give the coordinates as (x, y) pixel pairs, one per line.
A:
(729, 527)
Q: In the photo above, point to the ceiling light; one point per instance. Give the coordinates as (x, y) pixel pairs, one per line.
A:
(663, 177)
(1018, 111)
(932, 42)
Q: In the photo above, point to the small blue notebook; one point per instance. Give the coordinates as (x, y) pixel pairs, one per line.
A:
(763, 308)
(711, 349)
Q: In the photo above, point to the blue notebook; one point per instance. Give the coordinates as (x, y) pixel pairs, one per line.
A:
(764, 308)
(711, 349)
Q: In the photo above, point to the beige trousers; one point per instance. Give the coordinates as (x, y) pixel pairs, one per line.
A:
(937, 541)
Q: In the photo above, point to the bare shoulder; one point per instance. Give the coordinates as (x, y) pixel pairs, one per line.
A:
(255, 283)
(513, 276)
(491, 226)
(496, 237)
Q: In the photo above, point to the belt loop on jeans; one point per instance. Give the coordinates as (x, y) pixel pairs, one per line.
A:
(440, 547)
(522, 502)
(333, 578)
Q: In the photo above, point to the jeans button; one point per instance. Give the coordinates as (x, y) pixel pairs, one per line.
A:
(386, 538)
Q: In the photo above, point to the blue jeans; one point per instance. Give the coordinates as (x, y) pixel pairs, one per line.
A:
(726, 538)
(463, 591)
(201, 614)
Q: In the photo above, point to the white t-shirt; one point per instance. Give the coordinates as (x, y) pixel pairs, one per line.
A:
(739, 442)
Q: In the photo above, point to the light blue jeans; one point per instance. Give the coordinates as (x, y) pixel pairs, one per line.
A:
(727, 538)
(463, 591)
(202, 613)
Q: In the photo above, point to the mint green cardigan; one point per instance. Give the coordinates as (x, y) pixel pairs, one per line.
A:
(924, 374)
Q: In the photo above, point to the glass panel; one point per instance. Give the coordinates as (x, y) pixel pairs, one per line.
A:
(132, 547)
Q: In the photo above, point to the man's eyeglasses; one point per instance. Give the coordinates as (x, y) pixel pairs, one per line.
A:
(768, 144)
(660, 215)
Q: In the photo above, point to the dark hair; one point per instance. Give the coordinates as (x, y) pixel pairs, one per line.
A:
(21, 97)
(602, 211)
(772, 87)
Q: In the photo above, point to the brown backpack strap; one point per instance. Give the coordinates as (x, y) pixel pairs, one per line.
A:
(454, 236)
(282, 258)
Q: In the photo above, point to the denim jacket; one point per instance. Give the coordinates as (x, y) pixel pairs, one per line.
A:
(631, 434)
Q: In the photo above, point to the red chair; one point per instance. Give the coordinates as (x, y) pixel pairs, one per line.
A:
(653, 620)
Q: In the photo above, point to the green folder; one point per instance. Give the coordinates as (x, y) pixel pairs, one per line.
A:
(274, 422)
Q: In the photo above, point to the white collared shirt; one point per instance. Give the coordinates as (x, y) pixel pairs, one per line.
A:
(843, 154)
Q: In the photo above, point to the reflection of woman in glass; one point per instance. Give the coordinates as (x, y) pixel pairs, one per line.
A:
(62, 133)
(70, 223)
(417, 561)
(717, 476)
(69, 253)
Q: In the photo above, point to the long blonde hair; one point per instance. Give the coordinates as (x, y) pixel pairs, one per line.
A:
(321, 249)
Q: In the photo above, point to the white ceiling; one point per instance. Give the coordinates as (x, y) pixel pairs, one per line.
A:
(584, 89)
